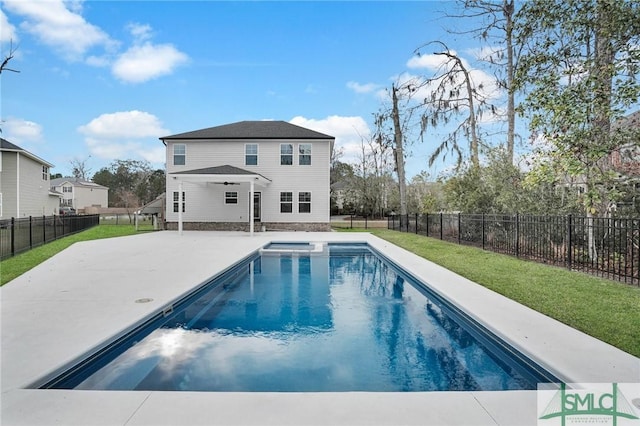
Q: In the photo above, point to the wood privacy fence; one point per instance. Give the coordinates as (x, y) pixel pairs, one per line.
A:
(606, 247)
(22, 234)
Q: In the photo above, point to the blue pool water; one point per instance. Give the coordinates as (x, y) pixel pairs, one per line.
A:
(346, 321)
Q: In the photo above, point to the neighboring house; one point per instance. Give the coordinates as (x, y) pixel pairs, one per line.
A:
(270, 174)
(80, 194)
(24, 184)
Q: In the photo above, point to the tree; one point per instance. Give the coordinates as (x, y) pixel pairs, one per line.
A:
(496, 27)
(79, 169)
(7, 58)
(131, 183)
(580, 68)
(452, 92)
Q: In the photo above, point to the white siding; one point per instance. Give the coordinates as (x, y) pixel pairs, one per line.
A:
(205, 202)
(34, 190)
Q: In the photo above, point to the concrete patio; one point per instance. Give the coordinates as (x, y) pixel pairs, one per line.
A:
(80, 299)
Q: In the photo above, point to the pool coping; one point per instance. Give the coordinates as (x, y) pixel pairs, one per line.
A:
(61, 297)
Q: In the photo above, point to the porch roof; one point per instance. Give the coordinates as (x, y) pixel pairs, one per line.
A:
(225, 174)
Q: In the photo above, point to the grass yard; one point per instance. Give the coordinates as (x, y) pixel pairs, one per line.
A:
(607, 310)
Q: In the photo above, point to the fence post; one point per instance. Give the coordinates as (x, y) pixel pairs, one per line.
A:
(30, 232)
(569, 240)
(351, 221)
(483, 231)
(517, 235)
(366, 223)
(55, 228)
(426, 217)
(44, 229)
(441, 226)
(416, 223)
(459, 229)
(13, 236)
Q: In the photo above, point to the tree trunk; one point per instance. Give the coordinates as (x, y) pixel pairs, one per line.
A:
(399, 151)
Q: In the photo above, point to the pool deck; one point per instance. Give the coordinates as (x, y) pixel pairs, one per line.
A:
(82, 297)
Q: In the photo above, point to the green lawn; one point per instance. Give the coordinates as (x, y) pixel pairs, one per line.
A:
(607, 310)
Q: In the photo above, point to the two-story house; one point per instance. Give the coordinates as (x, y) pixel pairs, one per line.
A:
(80, 194)
(269, 175)
(24, 184)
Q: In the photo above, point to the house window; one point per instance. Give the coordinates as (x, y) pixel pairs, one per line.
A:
(304, 154)
(45, 173)
(176, 201)
(286, 202)
(179, 155)
(304, 202)
(286, 154)
(67, 189)
(251, 154)
(231, 198)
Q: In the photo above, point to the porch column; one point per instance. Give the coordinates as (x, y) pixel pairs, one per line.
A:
(251, 208)
(180, 201)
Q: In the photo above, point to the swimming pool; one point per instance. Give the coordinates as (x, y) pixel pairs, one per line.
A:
(346, 320)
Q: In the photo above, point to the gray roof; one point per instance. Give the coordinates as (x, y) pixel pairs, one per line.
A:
(5, 144)
(219, 170)
(252, 130)
(76, 182)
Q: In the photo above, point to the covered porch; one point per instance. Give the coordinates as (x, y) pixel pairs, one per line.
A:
(221, 175)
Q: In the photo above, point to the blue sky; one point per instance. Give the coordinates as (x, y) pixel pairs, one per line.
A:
(103, 80)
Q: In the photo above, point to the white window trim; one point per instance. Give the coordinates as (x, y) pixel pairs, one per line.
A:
(256, 154)
(230, 198)
(310, 154)
(305, 202)
(292, 202)
(177, 201)
(173, 160)
(293, 154)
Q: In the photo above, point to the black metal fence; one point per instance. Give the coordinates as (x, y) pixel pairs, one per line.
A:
(22, 234)
(607, 247)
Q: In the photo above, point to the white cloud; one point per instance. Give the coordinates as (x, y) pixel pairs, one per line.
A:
(348, 132)
(147, 61)
(7, 31)
(57, 26)
(18, 130)
(124, 135)
(362, 88)
(140, 32)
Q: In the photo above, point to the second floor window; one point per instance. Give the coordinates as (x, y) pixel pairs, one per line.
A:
(251, 154)
(67, 189)
(286, 154)
(45, 173)
(179, 155)
(304, 154)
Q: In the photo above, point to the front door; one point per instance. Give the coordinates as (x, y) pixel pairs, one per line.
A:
(256, 206)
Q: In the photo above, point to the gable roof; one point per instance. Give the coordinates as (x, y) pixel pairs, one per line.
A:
(76, 182)
(225, 170)
(252, 130)
(5, 145)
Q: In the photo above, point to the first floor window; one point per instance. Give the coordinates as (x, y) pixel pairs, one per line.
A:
(286, 202)
(176, 201)
(304, 202)
(231, 198)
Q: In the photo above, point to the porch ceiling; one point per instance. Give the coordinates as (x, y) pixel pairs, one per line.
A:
(221, 175)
